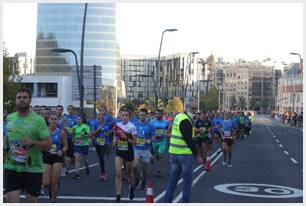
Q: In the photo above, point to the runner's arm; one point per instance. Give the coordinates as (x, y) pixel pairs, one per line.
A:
(64, 140)
(43, 144)
(186, 130)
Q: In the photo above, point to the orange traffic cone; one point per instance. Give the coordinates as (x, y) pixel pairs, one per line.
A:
(150, 197)
(207, 166)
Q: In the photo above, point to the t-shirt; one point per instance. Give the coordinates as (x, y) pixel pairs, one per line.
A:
(203, 124)
(128, 129)
(144, 132)
(56, 141)
(69, 120)
(102, 137)
(227, 127)
(159, 128)
(215, 123)
(22, 158)
(79, 132)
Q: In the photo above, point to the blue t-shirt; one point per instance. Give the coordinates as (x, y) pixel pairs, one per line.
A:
(144, 132)
(56, 141)
(134, 120)
(227, 127)
(4, 128)
(68, 122)
(216, 123)
(102, 137)
(159, 128)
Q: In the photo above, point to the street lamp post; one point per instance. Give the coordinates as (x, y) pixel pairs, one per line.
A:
(80, 84)
(158, 64)
(203, 65)
(188, 75)
(301, 59)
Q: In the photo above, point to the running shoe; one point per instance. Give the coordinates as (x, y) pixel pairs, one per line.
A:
(131, 193)
(42, 192)
(229, 165)
(223, 163)
(103, 177)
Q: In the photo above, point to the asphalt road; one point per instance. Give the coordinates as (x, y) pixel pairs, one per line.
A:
(267, 168)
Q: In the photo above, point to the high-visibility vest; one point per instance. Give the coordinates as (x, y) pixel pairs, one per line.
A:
(177, 143)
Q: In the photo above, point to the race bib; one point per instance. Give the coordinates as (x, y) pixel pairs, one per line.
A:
(19, 154)
(204, 129)
(158, 132)
(141, 141)
(53, 149)
(122, 145)
(79, 141)
(227, 133)
(100, 141)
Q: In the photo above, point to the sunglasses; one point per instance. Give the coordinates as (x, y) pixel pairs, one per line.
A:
(22, 97)
(53, 118)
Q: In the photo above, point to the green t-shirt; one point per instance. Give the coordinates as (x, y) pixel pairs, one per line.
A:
(79, 131)
(21, 158)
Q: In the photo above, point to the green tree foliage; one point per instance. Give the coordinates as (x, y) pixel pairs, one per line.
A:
(149, 104)
(209, 101)
(130, 104)
(241, 102)
(9, 86)
(175, 105)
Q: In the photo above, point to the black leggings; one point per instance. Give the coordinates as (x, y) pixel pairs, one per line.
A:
(101, 150)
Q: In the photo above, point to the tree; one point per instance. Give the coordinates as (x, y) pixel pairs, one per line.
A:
(10, 85)
(150, 104)
(241, 102)
(175, 105)
(209, 101)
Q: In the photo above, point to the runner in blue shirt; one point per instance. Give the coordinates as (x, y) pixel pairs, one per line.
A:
(142, 153)
(160, 127)
(100, 132)
(69, 120)
(227, 132)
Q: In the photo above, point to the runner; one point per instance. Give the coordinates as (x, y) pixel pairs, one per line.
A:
(203, 126)
(69, 120)
(227, 132)
(59, 116)
(159, 140)
(54, 158)
(125, 137)
(142, 152)
(215, 128)
(80, 145)
(27, 136)
(101, 141)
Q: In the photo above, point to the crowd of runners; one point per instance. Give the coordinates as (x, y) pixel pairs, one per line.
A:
(135, 139)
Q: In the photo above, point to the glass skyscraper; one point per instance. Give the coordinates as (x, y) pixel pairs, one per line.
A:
(59, 25)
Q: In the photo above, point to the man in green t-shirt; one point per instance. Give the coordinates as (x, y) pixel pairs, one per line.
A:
(27, 136)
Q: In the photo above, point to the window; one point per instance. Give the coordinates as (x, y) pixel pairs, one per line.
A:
(47, 90)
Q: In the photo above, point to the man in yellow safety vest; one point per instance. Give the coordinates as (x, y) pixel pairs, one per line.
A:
(183, 153)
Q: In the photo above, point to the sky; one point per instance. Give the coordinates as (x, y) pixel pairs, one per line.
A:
(251, 31)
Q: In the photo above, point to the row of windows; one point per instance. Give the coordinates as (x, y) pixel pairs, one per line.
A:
(62, 60)
(76, 44)
(77, 36)
(76, 19)
(70, 9)
(87, 52)
(77, 27)
(43, 89)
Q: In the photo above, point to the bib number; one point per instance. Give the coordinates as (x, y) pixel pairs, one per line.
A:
(100, 141)
(53, 149)
(122, 145)
(227, 135)
(20, 154)
(159, 132)
(79, 142)
(141, 141)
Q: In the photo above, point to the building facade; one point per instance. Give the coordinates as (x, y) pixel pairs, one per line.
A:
(22, 64)
(59, 25)
(290, 90)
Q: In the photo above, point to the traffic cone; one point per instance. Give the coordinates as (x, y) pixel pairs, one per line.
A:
(207, 166)
(150, 197)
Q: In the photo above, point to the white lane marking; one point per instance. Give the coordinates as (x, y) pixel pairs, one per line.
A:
(158, 197)
(293, 160)
(83, 167)
(274, 136)
(281, 145)
(277, 140)
(196, 180)
(286, 152)
(89, 198)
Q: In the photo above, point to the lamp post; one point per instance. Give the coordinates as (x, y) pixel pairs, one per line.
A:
(301, 59)
(188, 74)
(60, 50)
(158, 64)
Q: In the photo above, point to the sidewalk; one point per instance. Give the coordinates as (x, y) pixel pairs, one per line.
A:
(285, 125)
